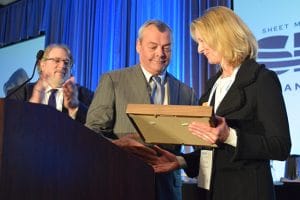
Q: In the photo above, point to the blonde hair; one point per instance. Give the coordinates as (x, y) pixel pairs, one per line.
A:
(222, 30)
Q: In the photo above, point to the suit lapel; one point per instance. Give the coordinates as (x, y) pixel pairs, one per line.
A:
(232, 101)
(235, 97)
(173, 90)
(139, 85)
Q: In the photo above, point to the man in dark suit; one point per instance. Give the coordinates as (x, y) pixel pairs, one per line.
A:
(107, 113)
(55, 75)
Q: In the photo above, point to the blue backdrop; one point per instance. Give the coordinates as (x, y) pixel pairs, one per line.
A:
(102, 34)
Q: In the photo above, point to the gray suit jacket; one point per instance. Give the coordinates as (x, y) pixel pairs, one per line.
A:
(107, 113)
(116, 89)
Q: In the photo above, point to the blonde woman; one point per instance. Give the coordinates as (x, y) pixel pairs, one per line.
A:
(252, 121)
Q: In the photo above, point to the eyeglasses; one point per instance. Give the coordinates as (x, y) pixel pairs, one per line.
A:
(66, 62)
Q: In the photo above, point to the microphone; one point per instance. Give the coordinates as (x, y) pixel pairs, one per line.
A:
(39, 56)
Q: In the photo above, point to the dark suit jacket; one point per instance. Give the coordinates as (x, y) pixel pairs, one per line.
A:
(85, 97)
(255, 108)
(107, 113)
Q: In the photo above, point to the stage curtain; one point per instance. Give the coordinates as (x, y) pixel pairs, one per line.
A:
(102, 34)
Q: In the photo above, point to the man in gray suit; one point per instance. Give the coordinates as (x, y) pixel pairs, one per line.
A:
(107, 113)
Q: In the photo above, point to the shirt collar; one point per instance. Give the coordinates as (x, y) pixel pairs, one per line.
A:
(48, 89)
(149, 75)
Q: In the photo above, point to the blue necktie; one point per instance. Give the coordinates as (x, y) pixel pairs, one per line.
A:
(52, 98)
(158, 90)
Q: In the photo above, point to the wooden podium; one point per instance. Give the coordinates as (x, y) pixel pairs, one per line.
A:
(46, 155)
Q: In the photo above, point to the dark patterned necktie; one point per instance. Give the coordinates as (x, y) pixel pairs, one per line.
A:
(52, 98)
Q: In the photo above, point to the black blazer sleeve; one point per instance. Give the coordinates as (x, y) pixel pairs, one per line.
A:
(192, 160)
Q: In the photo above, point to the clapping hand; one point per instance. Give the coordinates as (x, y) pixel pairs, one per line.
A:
(70, 92)
(39, 90)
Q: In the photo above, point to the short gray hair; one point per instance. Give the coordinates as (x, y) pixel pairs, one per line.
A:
(161, 26)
